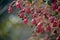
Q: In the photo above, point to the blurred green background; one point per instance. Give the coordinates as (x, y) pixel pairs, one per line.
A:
(11, 26)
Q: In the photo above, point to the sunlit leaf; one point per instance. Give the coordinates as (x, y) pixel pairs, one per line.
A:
(39, 2)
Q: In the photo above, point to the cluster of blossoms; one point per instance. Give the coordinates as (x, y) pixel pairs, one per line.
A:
(41, 18)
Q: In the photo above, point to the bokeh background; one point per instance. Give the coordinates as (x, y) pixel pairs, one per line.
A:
(11, 26)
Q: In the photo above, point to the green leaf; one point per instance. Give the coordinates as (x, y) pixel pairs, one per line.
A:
(55, 13)
(30, 1)
(44, 1)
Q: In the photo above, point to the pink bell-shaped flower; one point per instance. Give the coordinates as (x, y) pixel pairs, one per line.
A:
(10, 9)
(25, 21)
